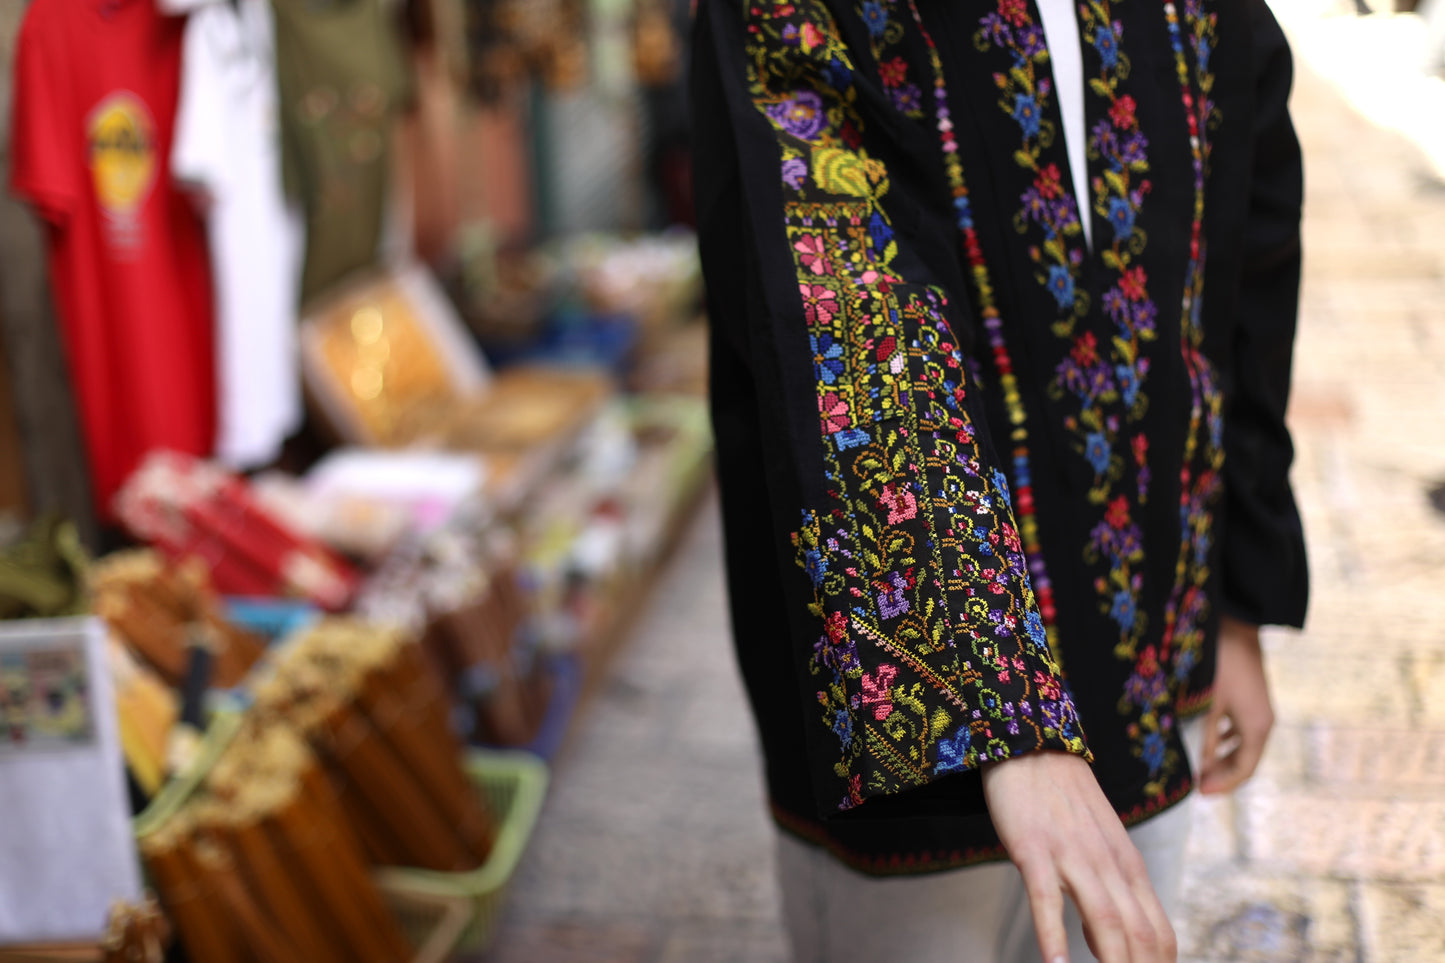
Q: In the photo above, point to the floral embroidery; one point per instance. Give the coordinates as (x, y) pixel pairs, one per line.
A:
(1023, 503)
(1186, 612)
(920, 583)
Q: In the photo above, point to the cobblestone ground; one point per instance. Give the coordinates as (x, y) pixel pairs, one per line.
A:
(654, 846)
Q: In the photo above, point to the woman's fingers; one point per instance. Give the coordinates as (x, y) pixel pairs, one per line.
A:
(1046, 903)
(1104, 920)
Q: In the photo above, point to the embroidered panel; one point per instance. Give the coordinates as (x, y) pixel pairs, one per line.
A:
(933, 657)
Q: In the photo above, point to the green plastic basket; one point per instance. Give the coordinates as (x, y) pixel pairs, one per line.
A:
(514, 785)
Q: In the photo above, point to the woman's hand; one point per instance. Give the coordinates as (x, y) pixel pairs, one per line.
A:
(1065, 838)
(1241, 701)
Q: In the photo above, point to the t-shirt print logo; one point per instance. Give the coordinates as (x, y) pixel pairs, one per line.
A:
(121, 137)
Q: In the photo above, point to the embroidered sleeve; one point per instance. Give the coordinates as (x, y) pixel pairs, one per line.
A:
(930, 655)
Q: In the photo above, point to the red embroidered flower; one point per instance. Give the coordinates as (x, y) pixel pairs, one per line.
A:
(819, 303)
(1085, 351)
(836, 626)
(1049, 182)
(1148, 665)
(1118, 514)
(1122, 112)
(1140, 444)
(894, 73)
(1133, 282)
(1015, 12)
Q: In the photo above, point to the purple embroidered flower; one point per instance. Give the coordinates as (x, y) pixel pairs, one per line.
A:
(891, 601)
(1031, 39)
(801, 115)
(794, 170)
(907, 99)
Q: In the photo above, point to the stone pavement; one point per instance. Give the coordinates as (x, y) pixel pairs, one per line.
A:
(654, 847)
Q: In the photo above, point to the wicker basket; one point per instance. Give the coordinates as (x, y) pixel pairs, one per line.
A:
(514, 784)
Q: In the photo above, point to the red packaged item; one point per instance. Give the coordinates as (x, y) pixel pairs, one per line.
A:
(190, 508)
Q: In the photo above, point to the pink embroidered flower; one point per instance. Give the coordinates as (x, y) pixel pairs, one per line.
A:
(1010, 537)
(1140, 444)
(813, 255)
(834, 411)
(875, 691)
(819, 303)
(901, 505)
(812, 37)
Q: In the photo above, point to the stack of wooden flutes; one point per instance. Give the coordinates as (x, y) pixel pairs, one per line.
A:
(345, 761)
(164, 612)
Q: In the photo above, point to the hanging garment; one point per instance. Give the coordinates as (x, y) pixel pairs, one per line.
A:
(988, 481)
(96, 84)
(227, 147)
(343, 78)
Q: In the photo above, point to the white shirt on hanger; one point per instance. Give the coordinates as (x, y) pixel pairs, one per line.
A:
(227, 143)
(1061, 32)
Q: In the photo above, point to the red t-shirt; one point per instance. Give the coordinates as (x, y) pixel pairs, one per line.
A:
(96, 85)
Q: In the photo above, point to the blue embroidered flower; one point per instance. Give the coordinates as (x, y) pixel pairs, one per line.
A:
(1096, 450)
(1035, 627)
(815, 565)
(1124, 610)
(840, 78)
(843, 727)
(879, 231)
(850, 438)
(875, 17)
(1154, 747)
(1026, 113)
(1121, 218)
(1061, 285)
(1128, 383)
(1107, 45)
(953, 751)
(827, 357)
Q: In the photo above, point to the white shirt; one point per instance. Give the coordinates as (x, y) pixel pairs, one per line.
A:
(1061, 32)
(227, 143)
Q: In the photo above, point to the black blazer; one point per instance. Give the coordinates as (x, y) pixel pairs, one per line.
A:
(986, 487)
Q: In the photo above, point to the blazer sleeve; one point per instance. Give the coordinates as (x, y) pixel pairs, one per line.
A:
(1264, 575)
(916, 633)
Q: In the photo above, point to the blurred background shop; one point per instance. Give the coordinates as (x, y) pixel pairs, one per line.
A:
(352, 398)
